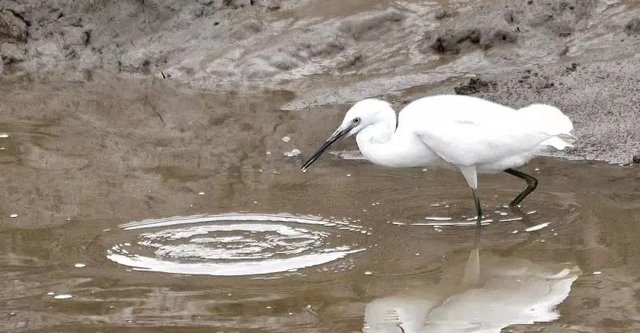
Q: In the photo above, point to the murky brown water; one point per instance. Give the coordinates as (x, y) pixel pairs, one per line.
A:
(173, 200)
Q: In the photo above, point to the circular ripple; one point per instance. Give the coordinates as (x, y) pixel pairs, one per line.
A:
(235, 244)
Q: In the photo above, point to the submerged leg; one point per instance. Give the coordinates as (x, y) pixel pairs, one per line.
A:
(476, 199)
(471, 276)
(471, 175)
(532, 183)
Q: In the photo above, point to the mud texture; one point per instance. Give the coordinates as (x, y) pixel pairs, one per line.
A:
(578, 55)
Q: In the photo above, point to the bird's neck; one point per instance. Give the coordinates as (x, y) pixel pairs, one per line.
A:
(373, 139)
(376, 134)
(383, 144)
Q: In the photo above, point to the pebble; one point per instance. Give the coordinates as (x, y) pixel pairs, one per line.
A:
(293, 153)
(537, 227)
(62, 296)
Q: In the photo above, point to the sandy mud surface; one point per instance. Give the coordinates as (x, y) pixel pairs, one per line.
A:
(578, 55)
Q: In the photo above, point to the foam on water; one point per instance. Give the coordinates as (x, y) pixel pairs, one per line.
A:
(236, 244)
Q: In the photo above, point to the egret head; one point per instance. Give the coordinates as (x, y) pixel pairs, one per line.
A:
(361, 115)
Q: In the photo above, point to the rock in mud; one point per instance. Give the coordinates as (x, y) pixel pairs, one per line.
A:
(11, 53)
(456, 39)
(442, 14)
(474, 86)
(632, 28)
(247, 29)
(538, 24)
(363, 27)
(87, 59)
(48, 51)
(284, 62)
(12, 26)
(75, 36)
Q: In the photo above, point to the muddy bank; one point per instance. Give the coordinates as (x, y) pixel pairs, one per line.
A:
(579, 55)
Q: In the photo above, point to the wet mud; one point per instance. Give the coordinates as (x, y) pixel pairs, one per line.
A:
(578, 55)
(144, 205)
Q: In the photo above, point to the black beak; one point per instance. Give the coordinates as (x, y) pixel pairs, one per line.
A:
(333, 138)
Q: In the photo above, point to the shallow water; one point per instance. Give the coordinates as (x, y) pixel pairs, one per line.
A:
(144, 206)
(242, 244)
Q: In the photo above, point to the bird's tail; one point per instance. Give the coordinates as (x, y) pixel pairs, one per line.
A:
(552, 123)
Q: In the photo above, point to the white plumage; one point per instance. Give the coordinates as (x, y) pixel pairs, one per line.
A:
(469, 133)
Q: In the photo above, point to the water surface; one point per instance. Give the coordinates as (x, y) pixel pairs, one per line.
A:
(143, 206)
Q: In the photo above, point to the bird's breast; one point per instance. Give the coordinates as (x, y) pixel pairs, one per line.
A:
(399, 152)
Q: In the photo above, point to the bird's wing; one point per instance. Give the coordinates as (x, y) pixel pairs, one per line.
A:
(465, 142)
(465, 138)
(468, 131)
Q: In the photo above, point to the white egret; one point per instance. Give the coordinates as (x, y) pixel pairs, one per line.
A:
(468, 133)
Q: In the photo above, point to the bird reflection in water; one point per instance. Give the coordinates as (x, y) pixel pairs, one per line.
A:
(485, 294)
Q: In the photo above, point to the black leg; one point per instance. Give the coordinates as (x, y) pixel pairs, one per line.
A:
(532, 183)
(476, 199)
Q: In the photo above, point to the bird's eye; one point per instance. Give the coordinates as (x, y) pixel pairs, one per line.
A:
(356, 120)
